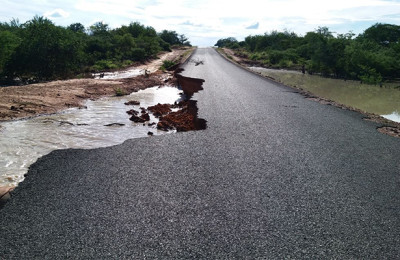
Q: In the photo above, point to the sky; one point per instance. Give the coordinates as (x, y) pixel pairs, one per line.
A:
(206, 21)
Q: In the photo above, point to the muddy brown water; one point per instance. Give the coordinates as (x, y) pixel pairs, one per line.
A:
(104, 123)
(383, 101)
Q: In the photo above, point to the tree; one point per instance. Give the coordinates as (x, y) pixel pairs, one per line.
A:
(39, 50)
(45, 52)
(8, 42)
(183, 40)
(99, 29)
(77, 27)
(170, 37)
(383, 34)
(226, 42)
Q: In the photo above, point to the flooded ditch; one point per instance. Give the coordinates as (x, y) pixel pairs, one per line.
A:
(368, 98)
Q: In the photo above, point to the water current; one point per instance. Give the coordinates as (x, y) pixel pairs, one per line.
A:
(22, 142)
(119, 74)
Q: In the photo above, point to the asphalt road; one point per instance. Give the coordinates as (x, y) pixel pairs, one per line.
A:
(273, 176)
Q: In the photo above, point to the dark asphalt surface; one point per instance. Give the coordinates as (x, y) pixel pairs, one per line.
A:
(273, 176)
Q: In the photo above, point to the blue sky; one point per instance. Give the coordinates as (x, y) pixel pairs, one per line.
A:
(206, 21)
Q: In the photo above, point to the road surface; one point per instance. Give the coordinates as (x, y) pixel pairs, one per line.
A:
(273, 176)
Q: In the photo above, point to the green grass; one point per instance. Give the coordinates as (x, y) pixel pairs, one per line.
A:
(119, 92)
(167, 64)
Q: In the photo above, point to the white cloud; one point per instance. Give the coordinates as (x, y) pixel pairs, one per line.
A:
(57, 13)
(212, 19)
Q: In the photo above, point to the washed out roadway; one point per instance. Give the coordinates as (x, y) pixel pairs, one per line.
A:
(273, 176)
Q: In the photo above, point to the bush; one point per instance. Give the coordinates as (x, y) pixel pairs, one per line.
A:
(167, 64)
(119, 92)
(370, 75)
(138, 54)
(104, 65)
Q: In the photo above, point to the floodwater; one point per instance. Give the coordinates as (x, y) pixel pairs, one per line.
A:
(383, 101)
(22, 142)
(123, 74)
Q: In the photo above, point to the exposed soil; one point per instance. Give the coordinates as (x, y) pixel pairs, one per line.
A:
(5, 195)
(185, 119)
(388, 127)
(45, 98)
(187, 84)
(144, 117)
(160, 109)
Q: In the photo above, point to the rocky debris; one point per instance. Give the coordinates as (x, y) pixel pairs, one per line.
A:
(160, 109)
(132, 103)
(137, 119)
(5, 195)
(145, 116)
(390, 130)
(182, 120)
(132, 112)
(162, 125)
(185, 119)
(150, 133)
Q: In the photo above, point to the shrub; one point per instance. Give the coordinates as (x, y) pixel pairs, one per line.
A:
(167, 64)
(119, 92)
(138, 54)
(104, 65)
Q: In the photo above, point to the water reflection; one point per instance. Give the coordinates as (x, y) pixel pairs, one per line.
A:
(373, 99)
(23, 142)
(395, 116)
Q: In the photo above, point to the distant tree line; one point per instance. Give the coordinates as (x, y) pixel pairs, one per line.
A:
(371, 57)
(39, 50)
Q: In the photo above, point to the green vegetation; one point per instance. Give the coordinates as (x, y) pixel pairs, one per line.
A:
(167, 64)
(39, 50)
(119, 92)
(372, 57)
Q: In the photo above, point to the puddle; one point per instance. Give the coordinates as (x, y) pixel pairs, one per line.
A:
(104, 123)
(123, 74)
(395, 116)
(369, 98)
